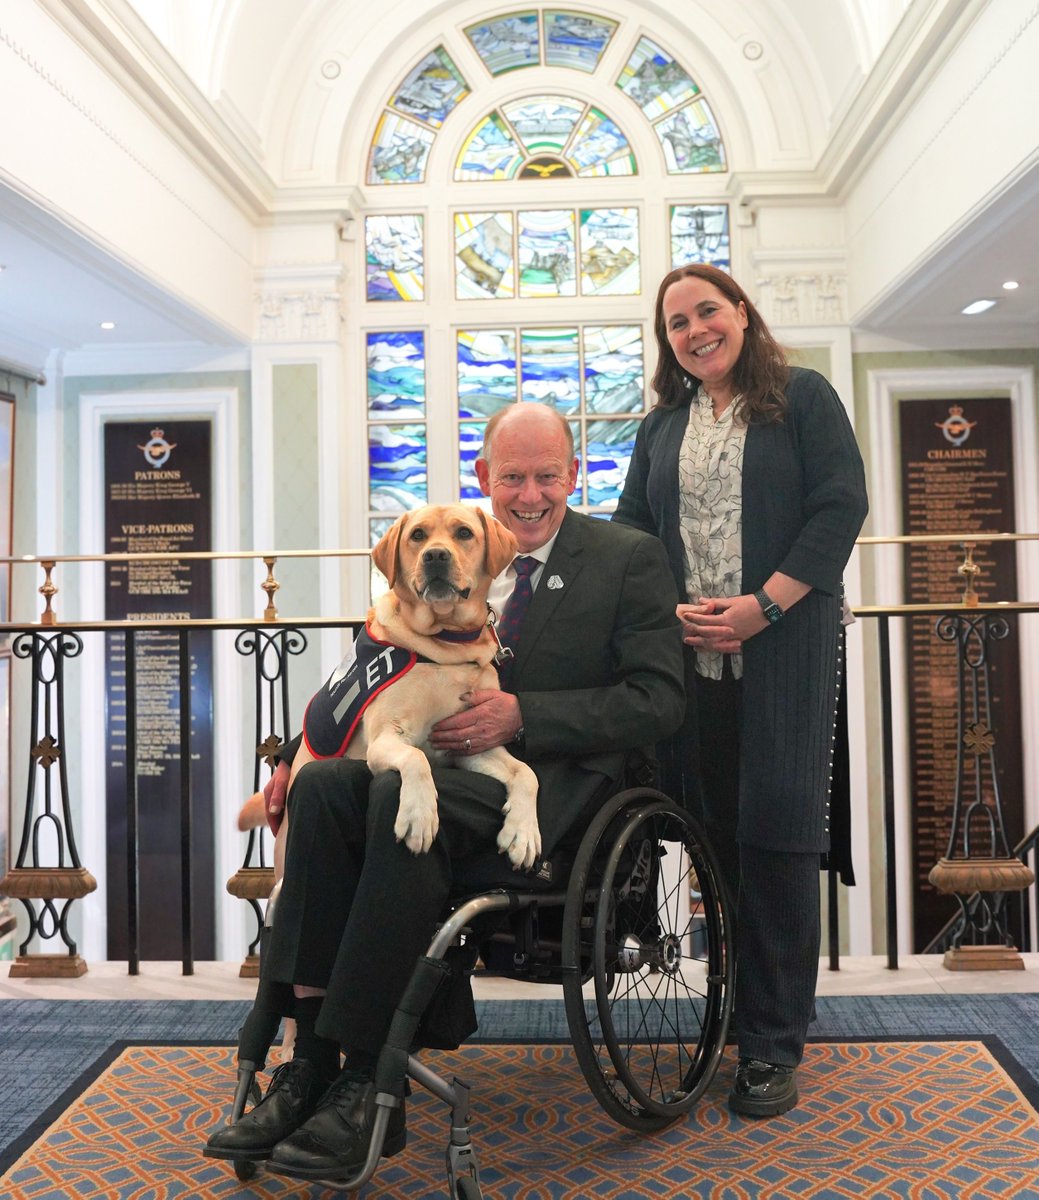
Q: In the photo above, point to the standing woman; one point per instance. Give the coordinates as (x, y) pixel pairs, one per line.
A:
(748, 471)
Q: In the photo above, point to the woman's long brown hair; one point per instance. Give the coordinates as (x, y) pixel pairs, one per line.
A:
(760, 376)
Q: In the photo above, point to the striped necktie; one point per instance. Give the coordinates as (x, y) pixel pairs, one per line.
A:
(516, 610)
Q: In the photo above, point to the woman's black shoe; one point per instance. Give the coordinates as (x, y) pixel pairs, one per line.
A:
(292, 1095)
(763, 1089)
(334, 1143)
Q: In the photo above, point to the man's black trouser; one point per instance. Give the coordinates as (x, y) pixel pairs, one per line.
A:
(357, 908)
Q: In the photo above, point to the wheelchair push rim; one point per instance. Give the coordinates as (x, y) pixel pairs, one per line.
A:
(650, 1042)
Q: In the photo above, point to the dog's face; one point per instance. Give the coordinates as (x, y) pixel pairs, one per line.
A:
(444, 556)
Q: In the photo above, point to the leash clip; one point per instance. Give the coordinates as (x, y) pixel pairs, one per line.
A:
(503, 653)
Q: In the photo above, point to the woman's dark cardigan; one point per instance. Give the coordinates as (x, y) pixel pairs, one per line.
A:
(804, 501)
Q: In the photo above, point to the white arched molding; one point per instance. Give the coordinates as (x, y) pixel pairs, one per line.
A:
(219, 405)
(837, 340)
(885, 389)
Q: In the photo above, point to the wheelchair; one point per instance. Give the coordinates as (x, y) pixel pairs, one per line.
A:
(640, 940)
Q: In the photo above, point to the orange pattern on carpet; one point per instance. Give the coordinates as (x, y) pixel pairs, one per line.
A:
(913, 1119)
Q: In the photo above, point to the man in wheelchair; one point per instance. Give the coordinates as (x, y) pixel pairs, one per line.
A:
(597, 673)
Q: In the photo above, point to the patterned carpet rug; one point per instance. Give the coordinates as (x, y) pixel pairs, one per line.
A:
(952, 1117)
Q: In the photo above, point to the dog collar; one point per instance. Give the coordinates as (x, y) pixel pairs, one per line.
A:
(459, 635)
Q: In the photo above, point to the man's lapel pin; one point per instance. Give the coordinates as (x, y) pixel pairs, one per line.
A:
(555, 583)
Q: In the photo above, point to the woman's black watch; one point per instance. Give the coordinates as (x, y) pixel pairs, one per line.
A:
(768, 606)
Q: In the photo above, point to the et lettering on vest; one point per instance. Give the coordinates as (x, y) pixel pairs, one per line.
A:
(335, 709)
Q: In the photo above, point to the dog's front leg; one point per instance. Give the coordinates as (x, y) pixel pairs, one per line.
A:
(417, 820)
(520, 837)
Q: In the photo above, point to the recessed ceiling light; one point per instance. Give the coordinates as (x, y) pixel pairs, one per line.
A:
(1010, 285)
(978, 306)
(108, 324)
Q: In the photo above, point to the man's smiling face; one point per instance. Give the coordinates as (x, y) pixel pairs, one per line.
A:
(528, 475)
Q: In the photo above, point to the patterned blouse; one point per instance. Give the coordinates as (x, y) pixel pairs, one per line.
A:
(710, 509)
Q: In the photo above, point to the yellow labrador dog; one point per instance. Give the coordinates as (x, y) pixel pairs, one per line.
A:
(427, 644)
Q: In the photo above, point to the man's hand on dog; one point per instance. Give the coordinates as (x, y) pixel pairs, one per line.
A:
(492, 718)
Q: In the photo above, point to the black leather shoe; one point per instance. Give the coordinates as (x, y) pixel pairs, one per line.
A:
(333, 1144)
(292, 1096)
(763, 1089)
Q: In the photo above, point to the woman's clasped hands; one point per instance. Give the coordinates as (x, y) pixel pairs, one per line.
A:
(722, 623)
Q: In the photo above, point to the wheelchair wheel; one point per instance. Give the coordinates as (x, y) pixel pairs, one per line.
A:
(647, 922)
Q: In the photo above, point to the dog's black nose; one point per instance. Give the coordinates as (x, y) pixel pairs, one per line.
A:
(435, 554)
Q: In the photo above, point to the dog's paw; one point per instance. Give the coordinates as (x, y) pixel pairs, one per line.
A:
(417, 822)
(521, 841)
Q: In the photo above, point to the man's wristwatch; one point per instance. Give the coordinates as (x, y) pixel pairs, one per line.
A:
(768, 606)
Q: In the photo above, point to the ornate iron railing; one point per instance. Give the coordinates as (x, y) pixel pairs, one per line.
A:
(270, 645)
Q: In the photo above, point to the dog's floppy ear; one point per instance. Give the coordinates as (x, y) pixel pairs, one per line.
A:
(499, 542)
(385, 551)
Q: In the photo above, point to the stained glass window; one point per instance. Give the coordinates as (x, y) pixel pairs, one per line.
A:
(594, 374)
(393, 257)
(571, 256)
(682, 118)
(691, 141)
(609, 251)
(486, 371)
(551, 133)
(397, 468)
(544, 123)
(570, 39)
(700, 234)
(547, 256)
(484, 255)
(576, 39)
(654, 80)
(399, 150)
(431, 90)
(544, 246)
(551, 368)
(397, 373)
(508, 42)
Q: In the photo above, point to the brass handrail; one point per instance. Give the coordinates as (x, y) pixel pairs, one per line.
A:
(48, 589)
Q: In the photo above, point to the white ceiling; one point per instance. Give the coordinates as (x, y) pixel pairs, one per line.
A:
(58, 285)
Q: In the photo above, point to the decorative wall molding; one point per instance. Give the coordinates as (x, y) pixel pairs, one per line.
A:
(299, 303)
(795, 298)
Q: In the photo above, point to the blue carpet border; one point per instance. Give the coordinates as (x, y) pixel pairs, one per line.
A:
(42, 1042)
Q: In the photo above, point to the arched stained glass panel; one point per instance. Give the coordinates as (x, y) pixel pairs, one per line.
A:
(394, 263)
(400, 149)
(539, 127)
(544, 123)
(432, 89)
(489, 152)
(507, 43)
(691, 141)
(575, 39)
(654, 80)
(599, 148)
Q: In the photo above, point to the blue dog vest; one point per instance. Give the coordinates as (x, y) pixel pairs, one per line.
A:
(332, 715)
